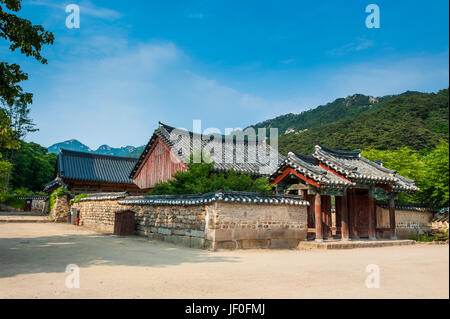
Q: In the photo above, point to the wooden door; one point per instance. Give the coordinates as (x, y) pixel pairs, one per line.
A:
(362, 213)
(28, 205)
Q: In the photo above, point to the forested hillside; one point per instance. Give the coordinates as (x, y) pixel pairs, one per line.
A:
(417, 120)
(342, 108)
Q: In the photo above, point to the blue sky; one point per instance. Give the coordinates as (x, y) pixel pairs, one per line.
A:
(227, 63)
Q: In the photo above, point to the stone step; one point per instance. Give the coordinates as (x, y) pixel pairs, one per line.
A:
(335, 244)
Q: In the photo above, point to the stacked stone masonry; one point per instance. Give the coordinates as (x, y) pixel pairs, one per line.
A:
(408, 222)
(60, 209)
(226, 224)
(215, 225)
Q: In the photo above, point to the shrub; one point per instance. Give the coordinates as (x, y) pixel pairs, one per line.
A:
(434, 235)
(77, 198)
(201, 178)
(11, 198)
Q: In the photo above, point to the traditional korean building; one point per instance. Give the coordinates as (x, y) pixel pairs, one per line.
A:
(162, 157)
(82, 172)
(355, 183)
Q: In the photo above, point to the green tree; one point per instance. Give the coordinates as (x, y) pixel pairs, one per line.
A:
(33, 167)
(430, 170)
(201, 178)
(436, 185)
(23, 35)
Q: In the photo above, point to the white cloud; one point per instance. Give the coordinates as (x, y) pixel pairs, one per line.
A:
(118, 97)
(118, 100)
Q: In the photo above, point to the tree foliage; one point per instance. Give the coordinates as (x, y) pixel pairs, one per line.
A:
(430, 171)
(33, 167)
(201, 178)
(29, 39)
(339, 109)
(417, 120)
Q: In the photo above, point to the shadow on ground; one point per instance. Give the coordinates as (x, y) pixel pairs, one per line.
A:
(53, 253)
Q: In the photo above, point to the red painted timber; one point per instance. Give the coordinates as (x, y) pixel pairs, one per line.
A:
(292, 171)
(158, 166)
(318, 219)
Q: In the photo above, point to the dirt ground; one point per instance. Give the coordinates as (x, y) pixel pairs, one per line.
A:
(34, 256)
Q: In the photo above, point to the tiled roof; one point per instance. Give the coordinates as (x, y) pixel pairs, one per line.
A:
(441, 215)
(94, 167)
(104, 196)
(56, 182)
(37, 197)
(308, 167)
(405, 206)
(222, 196)
(223, 160)
(359, 169)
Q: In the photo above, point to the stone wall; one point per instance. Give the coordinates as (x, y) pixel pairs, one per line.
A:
(98, 214)
(38, 205)
(237, 225)
(60, 209)
(204, 223)
(184, 225)
(409, 222)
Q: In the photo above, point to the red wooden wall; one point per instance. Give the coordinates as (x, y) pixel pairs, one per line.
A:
(157, 166)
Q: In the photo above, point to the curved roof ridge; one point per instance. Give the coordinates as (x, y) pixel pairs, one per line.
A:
(342, 153)
(306, 158)
(81, 153)
(378, 166)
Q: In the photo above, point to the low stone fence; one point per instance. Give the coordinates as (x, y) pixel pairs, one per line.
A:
(215, 220)
(410, 219)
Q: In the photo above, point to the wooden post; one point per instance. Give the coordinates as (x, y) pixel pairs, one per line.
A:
(337, 214)
(344, 217)
(392, 219)
(329, 217)
(326, 230)
(318, 217)
(352, 213)
(372, 218)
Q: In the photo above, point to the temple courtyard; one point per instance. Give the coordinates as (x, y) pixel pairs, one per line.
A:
(34, 257)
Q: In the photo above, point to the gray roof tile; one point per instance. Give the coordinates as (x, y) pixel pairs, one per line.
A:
(223, 160)
(94, 167)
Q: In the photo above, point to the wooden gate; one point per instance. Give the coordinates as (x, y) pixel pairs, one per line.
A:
(28, 205)
(124, 223)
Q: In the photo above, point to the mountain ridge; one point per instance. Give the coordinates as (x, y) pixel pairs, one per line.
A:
(75, 145)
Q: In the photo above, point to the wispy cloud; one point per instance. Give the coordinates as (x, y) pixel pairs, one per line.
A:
(287, 61)
(355, 46)
(196, 15)
(119, 96)
(86, 7)
(134, 87)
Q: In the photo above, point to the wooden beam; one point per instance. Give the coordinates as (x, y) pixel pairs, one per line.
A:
(292, 171)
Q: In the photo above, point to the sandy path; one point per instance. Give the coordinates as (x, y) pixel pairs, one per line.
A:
(33, 258)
